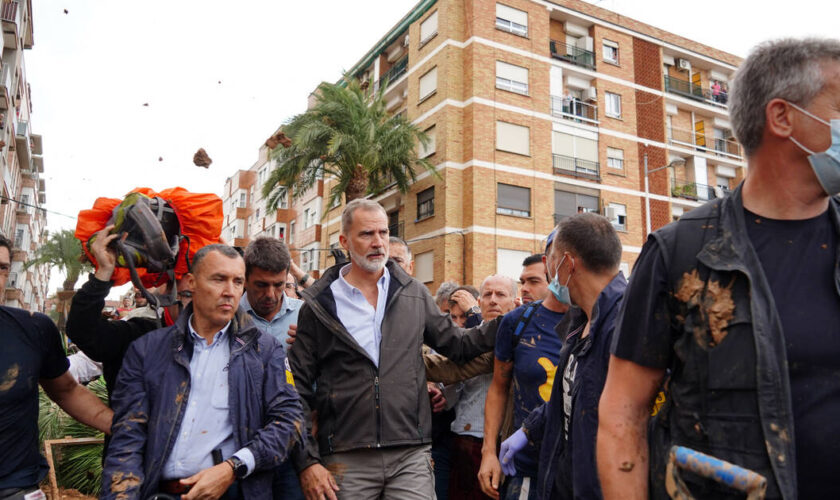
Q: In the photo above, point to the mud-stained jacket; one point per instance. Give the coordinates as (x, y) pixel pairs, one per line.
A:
(152, 394)
(729, 392)
(359, 405)
(567, 469)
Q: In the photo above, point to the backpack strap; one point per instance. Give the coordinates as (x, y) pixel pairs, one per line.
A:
(524, 319)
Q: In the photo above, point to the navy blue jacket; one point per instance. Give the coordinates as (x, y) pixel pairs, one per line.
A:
(152, 393)
(569, 470)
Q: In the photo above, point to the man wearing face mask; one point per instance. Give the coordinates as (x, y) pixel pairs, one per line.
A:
(739, 301)
(587, 251)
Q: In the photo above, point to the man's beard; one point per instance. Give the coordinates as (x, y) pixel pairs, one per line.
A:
(368, 265)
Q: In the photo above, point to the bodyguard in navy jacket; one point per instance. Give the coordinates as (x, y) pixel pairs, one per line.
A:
(588, 253)
(154, 431)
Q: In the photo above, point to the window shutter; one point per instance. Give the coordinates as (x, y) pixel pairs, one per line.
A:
(428, 83)
(509, 13)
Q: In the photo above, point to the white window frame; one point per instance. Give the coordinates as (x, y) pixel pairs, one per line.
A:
(426, 26)
(291, 232)
(506, 80)
(612, 104)
(429, 75)
(608, 49)
(620, 222)
(504, 22)
(615, 158)
(504, 143)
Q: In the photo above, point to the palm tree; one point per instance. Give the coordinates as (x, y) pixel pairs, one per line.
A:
(63, 251)
(350, 135)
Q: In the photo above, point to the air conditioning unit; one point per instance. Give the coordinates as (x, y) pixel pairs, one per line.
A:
(610, 213)
(591, 94)
(684, 64)
(406, 40)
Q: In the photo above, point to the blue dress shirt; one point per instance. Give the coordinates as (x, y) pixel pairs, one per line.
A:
(278, 327)
(206, 424)
(362, 322)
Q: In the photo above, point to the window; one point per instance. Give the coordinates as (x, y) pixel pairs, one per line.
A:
(615, 158)
(428, 149)
(567, 203)
(428, 84)
(291, 232)
(257, 214)
(282, 198)
(511, 20)
(424, 267)
(281, 231)
(511, 78)
(575, 155)
(610, 51)
(613, 102)
(23, 206)
(19, 238)
(617, 214)
(513, 200)
(310, 217)
(509, 262)
(307, 260)
(513, 138)
(428, 28)
(243, 200)
(426, 203)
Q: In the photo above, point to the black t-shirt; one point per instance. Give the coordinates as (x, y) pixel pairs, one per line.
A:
(799, 259)
(31, 351)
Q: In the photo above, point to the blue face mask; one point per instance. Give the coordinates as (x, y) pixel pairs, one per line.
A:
(826, 165)
(560, 292)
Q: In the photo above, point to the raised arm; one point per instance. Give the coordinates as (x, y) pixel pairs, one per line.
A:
(455, 343)
(622, 446)
(445, 371)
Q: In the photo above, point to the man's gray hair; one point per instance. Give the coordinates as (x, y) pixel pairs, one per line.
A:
(350, 208)
(508, 279)
(394, 240)
(788, 69)
(444, 291)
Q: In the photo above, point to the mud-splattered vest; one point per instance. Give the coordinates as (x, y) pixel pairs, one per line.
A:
(728, 390)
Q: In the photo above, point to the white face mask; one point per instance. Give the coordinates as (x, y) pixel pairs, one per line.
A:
(826, 165)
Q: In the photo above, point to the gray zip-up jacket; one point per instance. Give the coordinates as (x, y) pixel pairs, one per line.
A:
(359, 405)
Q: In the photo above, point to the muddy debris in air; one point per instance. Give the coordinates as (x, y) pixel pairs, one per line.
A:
(201, 159)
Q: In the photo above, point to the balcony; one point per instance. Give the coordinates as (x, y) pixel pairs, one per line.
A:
(727, 148)
(693, 190)
(22, 142)
(574, 110)
(9, 13)
(572, 54)
(395, 73)
(696, 92)
(568, 165)
(397, 229)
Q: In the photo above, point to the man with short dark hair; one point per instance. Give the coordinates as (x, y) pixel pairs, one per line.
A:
(357, 361)
(584, 259)
(533, 284)
(32, 354)
(206, 407)
(739, 302)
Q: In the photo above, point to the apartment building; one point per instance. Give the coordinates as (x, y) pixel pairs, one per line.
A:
(536, 110)
(22, 218)
(297, 222)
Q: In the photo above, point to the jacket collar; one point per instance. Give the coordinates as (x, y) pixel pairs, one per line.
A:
(321, 288)
(575, 318)
(241, 331)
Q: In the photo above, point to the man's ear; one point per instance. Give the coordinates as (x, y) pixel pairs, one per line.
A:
(342, 240)
(779, 119)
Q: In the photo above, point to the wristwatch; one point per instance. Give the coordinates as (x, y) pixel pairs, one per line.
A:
(472, 311)
(240, 470)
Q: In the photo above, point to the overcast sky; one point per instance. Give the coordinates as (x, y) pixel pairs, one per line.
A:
(224, 75)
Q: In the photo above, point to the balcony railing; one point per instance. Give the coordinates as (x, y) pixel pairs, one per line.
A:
(694, 91)
(692, 190)
(574, 110)
(394, 74)
(572, 54)
(721, 147)
(397, 230)
(568, 165)
(9, 11)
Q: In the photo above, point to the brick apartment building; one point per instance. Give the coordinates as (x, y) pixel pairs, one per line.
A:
(536, 110)
(23, 190)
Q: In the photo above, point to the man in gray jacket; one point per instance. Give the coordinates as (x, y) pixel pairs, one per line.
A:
(357, 364)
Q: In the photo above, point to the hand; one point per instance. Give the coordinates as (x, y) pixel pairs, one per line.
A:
(318, 483)
(292, 334)
(209, 484)
(489, 474)
(464, 299)
(510, 447)
(436, 397)
(517, 301)
(106, 258)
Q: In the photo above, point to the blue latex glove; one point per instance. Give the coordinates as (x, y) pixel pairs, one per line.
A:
(510, 447)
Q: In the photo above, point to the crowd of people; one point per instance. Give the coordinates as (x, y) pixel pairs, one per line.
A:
(572, 383)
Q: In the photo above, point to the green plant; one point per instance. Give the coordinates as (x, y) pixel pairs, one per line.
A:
(350, 135)
(78, 466)
(64, 251)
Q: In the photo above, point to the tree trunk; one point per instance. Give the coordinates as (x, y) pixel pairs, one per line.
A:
(358, 185)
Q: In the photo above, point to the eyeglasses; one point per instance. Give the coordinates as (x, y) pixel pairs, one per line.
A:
(290, 286)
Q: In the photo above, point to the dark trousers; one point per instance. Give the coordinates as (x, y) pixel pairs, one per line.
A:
(286, 484)
(441, 455)
(466, 460)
